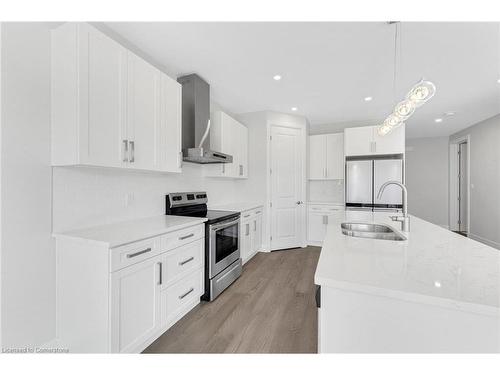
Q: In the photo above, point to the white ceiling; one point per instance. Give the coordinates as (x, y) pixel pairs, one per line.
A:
(328, 68)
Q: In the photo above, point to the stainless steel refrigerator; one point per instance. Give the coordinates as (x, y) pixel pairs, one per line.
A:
(365, 175)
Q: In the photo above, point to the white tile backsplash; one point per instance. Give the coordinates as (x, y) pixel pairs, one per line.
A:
(331, 191)
(86, 196)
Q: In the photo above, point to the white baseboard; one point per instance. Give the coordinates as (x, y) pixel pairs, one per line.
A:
(486, 241)
(315, 243)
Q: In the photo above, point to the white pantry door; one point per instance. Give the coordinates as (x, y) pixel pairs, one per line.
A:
(287, 206)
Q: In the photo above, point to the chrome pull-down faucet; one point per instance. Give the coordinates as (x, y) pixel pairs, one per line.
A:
(405, 219)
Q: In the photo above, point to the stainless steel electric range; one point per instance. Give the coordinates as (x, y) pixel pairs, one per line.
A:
(222, 245)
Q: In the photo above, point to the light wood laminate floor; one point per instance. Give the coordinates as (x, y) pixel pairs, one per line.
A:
(269, 309)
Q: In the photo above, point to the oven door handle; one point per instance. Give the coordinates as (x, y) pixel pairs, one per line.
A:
(223, 225)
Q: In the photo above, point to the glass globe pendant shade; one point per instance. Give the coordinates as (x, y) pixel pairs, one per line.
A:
(404, 109)
(384, 129)
(393, 120)
(421, 92)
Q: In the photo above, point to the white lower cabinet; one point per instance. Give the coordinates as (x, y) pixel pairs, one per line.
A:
(318, 218)
(250, 233)
(135, 305)
(121, 299)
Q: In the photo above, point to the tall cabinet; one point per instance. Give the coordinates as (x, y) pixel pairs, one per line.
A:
(111, 108)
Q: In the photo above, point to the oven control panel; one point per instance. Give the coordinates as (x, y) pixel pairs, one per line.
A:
(182, 199)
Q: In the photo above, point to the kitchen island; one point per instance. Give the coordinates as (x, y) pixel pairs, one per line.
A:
(436, 291)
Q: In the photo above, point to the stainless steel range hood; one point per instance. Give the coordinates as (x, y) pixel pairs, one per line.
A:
(196, 122)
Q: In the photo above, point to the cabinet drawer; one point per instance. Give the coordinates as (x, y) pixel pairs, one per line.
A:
(175, 239)
(246, 215)
(132, 253)
(182, 260)
(181, 294)
(257, 211)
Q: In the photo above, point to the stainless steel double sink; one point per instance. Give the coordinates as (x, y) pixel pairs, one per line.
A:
(373, 231)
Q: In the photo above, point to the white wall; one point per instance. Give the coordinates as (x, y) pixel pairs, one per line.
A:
(484, 151)
(338, 127)
(28, 274)
(427, 178)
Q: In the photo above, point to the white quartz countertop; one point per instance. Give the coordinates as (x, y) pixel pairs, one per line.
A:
(121, 233)
(433, 265)
(237, 206)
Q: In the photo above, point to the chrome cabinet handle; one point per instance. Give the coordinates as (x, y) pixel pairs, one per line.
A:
(258, 212)
(255, 225)
(223, 168)
(132, 151)
(247, 229)
(185, 294)
(187, 236)
(125, 151)
(299, 202)
(246, 215)
(161, 273)
(325, 219)
(139, 253)
(241, 170)
(179, 159)
(186, 261)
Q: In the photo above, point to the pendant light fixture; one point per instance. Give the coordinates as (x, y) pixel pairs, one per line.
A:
(416, 97)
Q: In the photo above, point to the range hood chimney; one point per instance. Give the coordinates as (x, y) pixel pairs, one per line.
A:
(196, 122)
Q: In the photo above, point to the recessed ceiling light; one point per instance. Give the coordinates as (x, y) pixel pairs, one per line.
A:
(438, 120)
(277, 77)
(294, 109)
(498, 80)
(368, 99)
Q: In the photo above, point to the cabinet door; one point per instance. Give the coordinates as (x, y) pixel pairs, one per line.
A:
(246, 240)
(257, 228)
(243, 151)
(135, 305)
(392, 143)
(230, 142)
(335, 156)
(316, 227)
(170, 130)
(102, 95)
(358, 141)
(143, 113)
(317, 157)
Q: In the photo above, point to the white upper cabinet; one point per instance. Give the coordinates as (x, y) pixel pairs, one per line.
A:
(392, 143)
(358, 141)
(326, 157)
(335, 156)
(170, 132)
(110, 108)
(143, 113)
(317, 157)
(365, 140)
(229, 137)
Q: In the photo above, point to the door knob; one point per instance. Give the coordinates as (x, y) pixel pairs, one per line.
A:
(299, 202)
